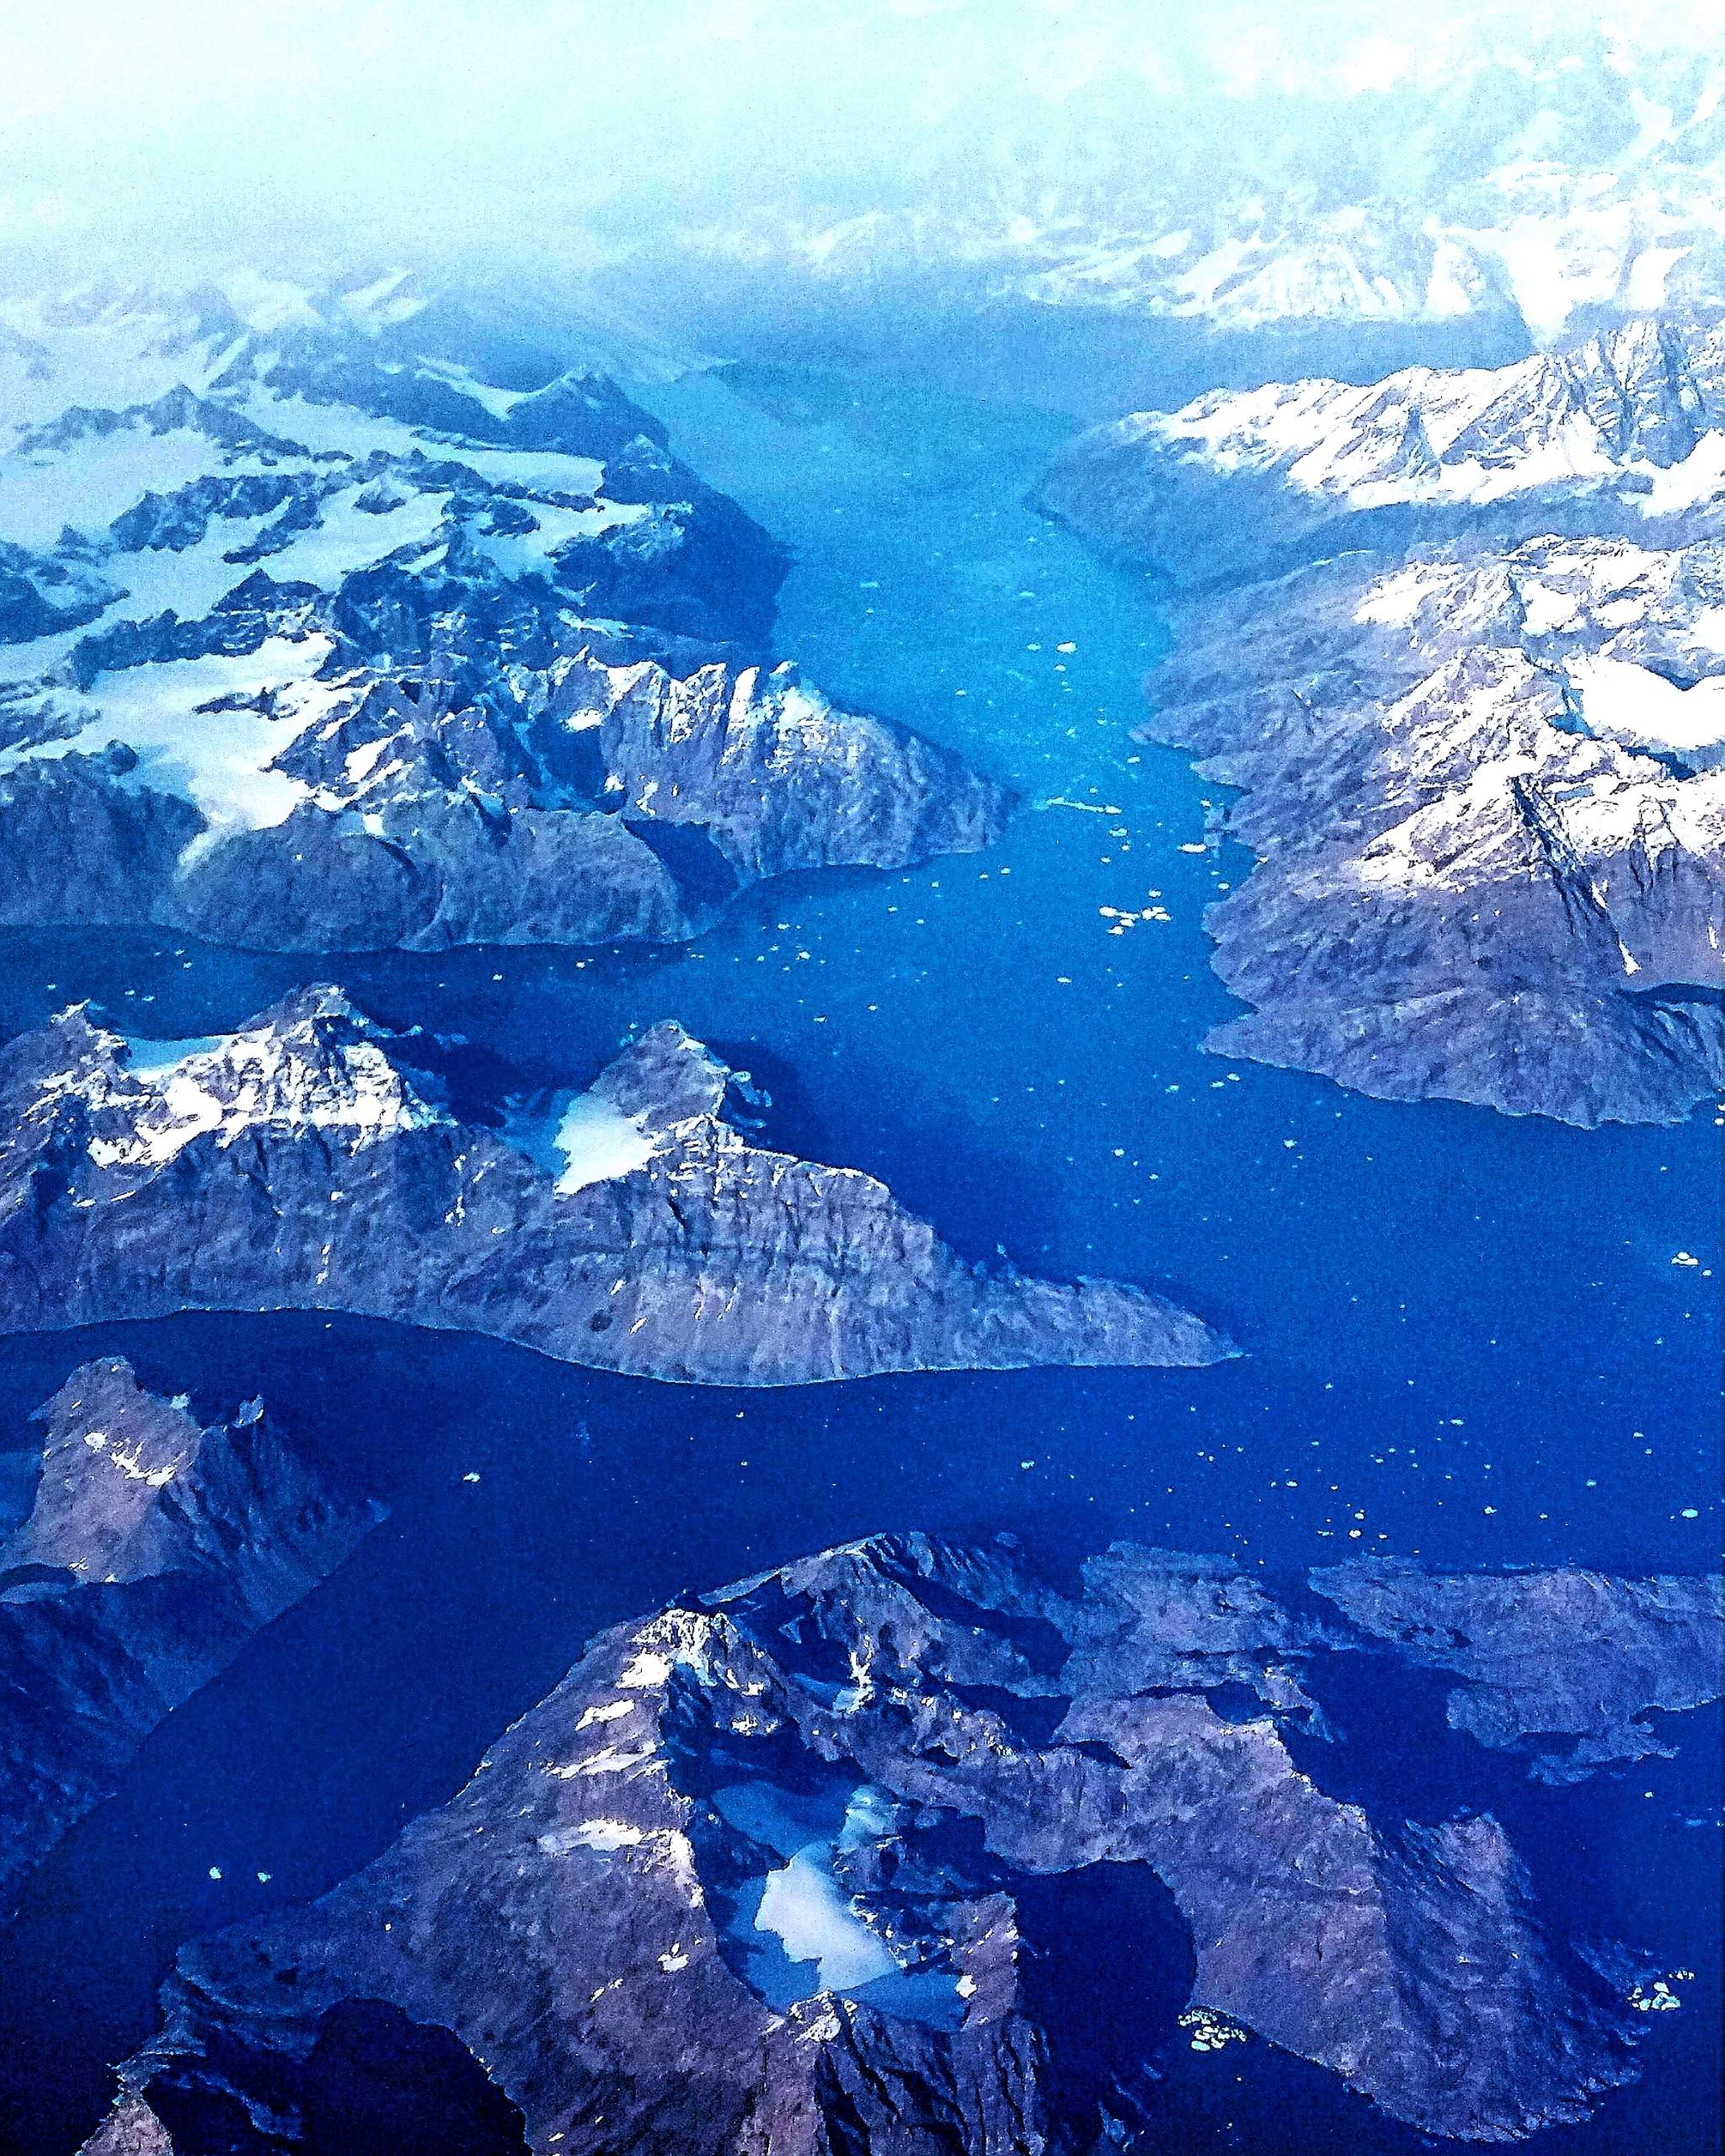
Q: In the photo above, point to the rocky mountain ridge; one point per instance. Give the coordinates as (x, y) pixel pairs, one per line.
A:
(313, 1159)
(1480, 730)
(817, 1854)
(341, 647)
(1624, 434)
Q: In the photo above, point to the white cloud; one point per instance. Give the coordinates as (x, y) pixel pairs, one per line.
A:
(300, 134)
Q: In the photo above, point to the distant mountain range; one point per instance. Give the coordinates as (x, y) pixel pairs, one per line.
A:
(1566, 180)
(1462, 197)
(1491, 187)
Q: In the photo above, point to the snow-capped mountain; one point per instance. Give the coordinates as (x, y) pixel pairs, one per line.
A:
(313, 1159)
(1534, 239)
(113, 341)
(1625, 432)
(1485, 774)
(834, 1847)
(310, 641)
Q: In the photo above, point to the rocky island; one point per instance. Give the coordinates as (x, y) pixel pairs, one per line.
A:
(1459, 639)
(315, 1161)
(817, 1860)
(344, 648)
(155, 1548)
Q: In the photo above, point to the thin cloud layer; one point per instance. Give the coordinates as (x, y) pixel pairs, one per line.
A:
(171, 140)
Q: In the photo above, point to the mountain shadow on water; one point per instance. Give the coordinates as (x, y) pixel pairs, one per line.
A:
(1109, 1965)
(375, 2083)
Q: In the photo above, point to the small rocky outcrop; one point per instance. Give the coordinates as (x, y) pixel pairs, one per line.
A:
(155, 1548)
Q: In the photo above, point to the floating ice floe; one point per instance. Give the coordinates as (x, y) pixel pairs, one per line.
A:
(1210, 2032)
(1657, 1997)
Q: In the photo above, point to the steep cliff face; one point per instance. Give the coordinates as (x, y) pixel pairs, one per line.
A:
(338, 651)
(824, 1859)
(1485, 789)
(155, 1549)
(1484, 775)
(315, 1161)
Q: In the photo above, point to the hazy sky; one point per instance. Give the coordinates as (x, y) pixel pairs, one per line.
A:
(311, 132)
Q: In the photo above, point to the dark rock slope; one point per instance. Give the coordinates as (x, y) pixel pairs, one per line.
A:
(331, 655)
(315, 1161)
(1482, 738)
(1565, 1667)
(839, 1859)
(156, 1548)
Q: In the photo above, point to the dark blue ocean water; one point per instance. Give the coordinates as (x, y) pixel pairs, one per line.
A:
(1463, 1333)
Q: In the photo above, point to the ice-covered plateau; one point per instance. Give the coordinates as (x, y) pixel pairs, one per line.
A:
(328, 644)
(313, 1159)
(155, 1549)
(1460, 638)
(851, 1854)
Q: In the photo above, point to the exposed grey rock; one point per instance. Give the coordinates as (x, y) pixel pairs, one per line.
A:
(1491, 830)
(314, 1160)
(80, 845)
(132, 2128)
(794, 1866)
(1565, 1664)
(1483, 779)
(607, 802)
(41, 597)
(155, 1549)
(777, 779)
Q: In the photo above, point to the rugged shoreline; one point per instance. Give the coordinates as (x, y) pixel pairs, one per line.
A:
(315, 1161)
(809, 1851)
(315, 651)
(1480, 739)
(155, 1549)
